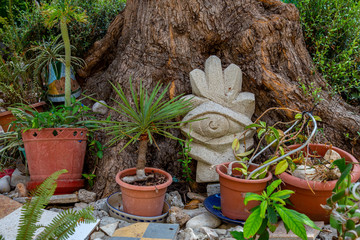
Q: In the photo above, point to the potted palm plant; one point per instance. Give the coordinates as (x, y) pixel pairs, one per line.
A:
(56, 139)
(149, 115)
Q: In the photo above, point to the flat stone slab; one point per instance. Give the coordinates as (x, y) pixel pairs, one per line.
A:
(148, 231)
(10, 223)
(280, 233)
(7, 206)
(55, 199)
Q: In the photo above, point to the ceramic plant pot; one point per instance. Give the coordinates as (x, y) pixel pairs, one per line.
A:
(308, 202)
(52, 149)
(147, 201)
(233, 190)
(7, 117)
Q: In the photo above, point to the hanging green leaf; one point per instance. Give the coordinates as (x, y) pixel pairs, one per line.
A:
(235, 145)
(281, 167)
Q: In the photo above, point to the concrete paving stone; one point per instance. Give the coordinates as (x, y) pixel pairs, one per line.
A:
(7, 206)
(56, 199)
(110, 228)
(280, 233)
(147, 231)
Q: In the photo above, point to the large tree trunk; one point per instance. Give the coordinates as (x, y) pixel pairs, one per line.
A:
(163, 40)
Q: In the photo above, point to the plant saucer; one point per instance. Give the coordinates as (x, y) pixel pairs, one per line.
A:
(115, 200)
(213, 204)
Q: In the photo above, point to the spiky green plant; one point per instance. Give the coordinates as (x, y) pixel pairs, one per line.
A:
(47, 53)
(150, 115)
(61, 227)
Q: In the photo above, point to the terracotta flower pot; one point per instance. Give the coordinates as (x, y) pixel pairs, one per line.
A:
(304, 200)
(233, 190)
(147, 201)
(7, 117)
(52, 149)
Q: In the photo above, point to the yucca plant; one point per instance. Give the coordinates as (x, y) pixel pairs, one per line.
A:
(62, 225)
(149, 115)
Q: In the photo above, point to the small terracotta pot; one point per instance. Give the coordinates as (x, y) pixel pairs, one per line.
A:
(7, 117)
(233, 190)
(304, 200)
(146, 201)
(51, 149)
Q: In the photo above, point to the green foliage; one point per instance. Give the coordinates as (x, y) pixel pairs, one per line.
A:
(16, 85)
(62, 12)
(186, 159)
(30, 30)
(264, 217)
(61, 227)
(57, 117)
(344, 204)
(332, 31)
(311, 92)
(11, 141)
(46, 53)
(149, 115)
(90, 178)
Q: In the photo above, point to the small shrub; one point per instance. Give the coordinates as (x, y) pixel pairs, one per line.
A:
(29, 29)
(332, 35)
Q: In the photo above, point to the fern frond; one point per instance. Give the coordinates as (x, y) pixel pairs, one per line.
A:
(63, 225)
(32, 210)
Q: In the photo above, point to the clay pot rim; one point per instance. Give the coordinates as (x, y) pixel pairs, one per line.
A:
(255, 181)
(125, 172)
(321, 186)
(35, 105)
(47, 129)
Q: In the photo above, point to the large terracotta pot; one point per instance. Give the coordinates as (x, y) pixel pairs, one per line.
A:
(52, 149)
(146, 201)
(304, 200)
(233, 190)
(7, 117)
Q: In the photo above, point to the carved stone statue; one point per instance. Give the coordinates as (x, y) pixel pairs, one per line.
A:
(224, 110)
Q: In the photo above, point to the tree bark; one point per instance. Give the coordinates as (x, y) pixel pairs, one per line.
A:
(164, 40)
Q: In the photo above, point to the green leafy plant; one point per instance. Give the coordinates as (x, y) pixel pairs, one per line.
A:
(90, 178)
(265, 217)
(344, 204)
(61, 227)
(16, 85)
(332, 34)
(276, 140)
(185, 158)
(9, 153)
(29, 29)
(57, 117)
(62, 11)
(46, 53)
(149, 115)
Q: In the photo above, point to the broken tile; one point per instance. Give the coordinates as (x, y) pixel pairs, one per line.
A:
(7, 206)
